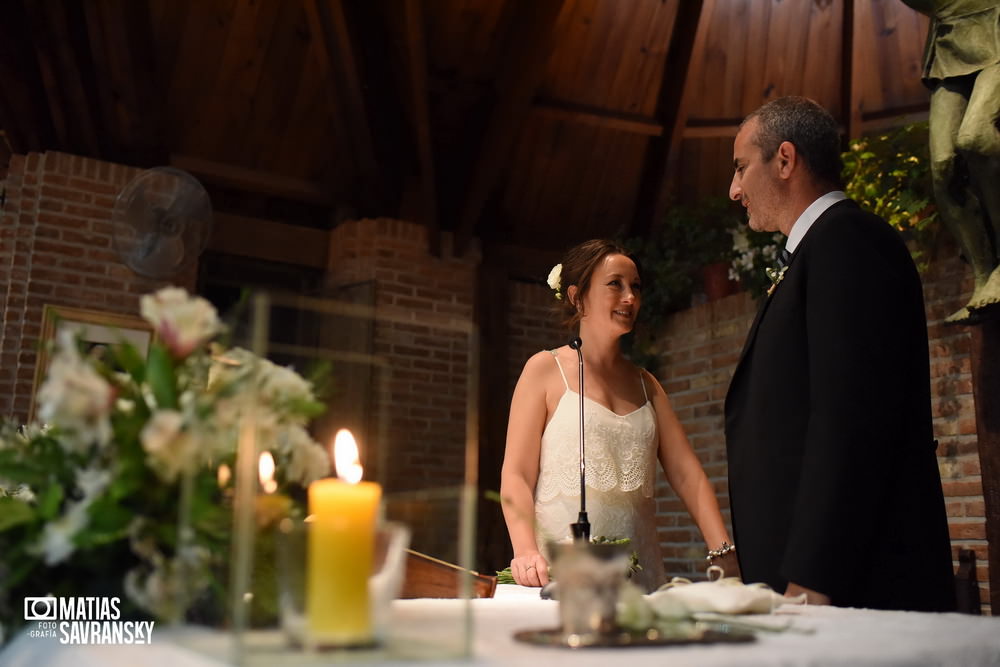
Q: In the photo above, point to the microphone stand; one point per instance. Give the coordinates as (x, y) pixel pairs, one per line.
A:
(581, 529)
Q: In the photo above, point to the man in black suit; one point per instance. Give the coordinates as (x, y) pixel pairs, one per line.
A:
(833, 478)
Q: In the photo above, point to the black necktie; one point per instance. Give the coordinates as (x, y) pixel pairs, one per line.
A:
(783, 258)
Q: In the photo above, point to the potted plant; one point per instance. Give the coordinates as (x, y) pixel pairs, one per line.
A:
(688, 252)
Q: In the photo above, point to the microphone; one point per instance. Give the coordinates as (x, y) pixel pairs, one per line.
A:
(581, 529)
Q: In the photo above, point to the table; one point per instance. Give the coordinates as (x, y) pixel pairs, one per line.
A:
(841, 637)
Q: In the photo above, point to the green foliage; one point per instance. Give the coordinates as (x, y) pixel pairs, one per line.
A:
(889, 175)
(691, 237)
(505, 576)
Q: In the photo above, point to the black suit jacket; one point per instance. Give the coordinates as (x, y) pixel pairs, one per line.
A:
(833, 478)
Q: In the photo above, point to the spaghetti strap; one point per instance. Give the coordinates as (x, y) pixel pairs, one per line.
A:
(642, 381)
(555, 357)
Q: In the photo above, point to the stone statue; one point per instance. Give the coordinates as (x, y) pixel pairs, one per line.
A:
(962, 69)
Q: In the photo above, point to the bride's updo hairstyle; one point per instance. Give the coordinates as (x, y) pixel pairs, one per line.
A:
(577, 269)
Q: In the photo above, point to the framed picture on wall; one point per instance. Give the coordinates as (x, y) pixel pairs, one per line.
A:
(96, 330)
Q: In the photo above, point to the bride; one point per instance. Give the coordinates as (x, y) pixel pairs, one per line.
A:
(629, 425)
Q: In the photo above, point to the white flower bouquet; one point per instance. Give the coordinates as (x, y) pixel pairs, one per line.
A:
(119, 490)
(753, 254)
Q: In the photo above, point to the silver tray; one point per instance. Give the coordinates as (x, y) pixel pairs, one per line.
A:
(699, 633)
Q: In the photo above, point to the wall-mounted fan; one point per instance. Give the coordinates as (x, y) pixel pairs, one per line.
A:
(161, 222)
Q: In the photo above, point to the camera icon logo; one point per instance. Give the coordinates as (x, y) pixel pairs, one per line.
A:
(41, 608)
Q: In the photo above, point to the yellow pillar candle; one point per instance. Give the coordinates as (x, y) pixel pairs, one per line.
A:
(340, 560)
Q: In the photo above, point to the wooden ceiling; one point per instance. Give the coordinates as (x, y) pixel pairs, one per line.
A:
(530, 123)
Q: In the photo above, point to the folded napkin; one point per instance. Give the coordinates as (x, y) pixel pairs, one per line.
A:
(681, 598)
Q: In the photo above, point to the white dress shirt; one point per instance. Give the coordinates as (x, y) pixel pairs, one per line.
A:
(809, 216)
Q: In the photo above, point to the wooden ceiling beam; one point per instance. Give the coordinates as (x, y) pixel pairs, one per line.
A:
(522, 263)
(339, 60)
(527, 47)
(684, 60)
(850, 77)
(70, 106)
(714, 128)
(269, 240)
(587, 115)
(6, 152)
(128, 80)
(25, 128)
(37, 24)
(254, 180)
(705, 128)
(416, 52)
(113, 137)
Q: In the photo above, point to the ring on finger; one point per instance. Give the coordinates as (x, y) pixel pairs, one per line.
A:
(530, 567)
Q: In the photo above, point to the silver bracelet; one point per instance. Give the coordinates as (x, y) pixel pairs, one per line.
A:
(726, 548)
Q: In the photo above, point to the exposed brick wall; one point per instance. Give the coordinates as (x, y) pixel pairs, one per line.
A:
(56, 248)
(700, 348)
(533, 325)
(698, 351)
(423, 312)
(947, 286)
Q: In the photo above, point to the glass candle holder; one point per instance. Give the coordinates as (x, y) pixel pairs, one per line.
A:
(383, 586)
(590, 577)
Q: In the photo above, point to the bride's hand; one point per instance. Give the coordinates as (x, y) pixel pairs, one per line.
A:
(530, 569)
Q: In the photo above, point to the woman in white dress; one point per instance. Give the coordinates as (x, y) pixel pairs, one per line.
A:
(629, 425)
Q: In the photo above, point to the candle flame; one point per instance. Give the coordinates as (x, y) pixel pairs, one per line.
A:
(345, 457)
(223, 475)
(265, 471)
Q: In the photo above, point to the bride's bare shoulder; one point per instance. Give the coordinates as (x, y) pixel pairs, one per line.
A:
(653, 385)
(542, 364)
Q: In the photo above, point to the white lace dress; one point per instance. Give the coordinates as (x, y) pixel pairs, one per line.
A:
(621, 465)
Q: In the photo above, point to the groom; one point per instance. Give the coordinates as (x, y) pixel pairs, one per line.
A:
(833, 479)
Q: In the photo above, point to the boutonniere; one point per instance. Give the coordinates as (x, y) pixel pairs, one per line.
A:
(776, 276)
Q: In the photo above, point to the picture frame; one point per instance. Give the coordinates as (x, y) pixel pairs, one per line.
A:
(94, 328)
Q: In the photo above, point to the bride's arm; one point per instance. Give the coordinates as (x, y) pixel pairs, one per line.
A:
(685, 474)
(520, 472)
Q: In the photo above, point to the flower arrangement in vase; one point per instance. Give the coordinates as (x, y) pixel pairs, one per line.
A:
(122, 487)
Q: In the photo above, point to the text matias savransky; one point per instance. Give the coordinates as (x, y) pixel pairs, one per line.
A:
(84, 620)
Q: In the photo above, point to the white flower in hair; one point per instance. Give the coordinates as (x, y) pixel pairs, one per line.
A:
(555, 280)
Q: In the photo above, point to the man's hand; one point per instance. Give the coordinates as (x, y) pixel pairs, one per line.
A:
(812, 597)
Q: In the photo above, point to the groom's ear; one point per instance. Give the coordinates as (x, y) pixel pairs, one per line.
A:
(787, 159)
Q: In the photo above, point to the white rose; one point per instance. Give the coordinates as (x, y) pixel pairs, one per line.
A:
(56, 542)
(555, 277)
(169, 447)
(307, 460)
(275, 385)
(23, 493)
(76, 398)
(181, 321)
(280, 385)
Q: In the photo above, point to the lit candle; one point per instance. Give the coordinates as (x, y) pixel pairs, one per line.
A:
(271, 507)
(341, 550)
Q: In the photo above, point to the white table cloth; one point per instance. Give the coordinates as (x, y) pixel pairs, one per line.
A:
(840, 637)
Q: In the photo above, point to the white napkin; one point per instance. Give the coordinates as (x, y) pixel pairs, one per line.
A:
(682, 598)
